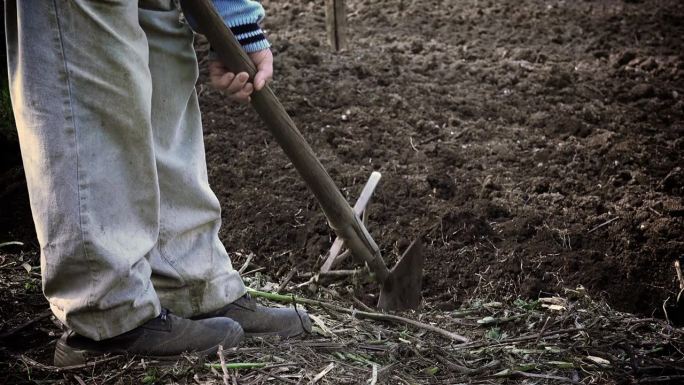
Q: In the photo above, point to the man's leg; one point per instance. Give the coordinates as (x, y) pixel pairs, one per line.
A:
(81, 91)
(191, 270)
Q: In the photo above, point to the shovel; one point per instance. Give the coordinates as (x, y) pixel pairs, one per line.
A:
(401, 286)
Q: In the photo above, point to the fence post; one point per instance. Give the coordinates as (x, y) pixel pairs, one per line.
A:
(336, 23)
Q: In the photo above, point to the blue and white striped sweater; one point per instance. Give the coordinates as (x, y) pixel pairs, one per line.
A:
(243, 18)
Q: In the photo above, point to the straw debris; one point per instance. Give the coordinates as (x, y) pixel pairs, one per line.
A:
(586, 342)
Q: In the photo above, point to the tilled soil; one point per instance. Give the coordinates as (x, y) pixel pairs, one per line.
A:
(536, 144)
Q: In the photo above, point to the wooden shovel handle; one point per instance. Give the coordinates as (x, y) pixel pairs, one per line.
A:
(336, 208)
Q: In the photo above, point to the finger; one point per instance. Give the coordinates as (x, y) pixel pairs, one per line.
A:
(243, 96)
(264, 75)
(248, 89)
(216, 68)
(244, 93)
(218, 74)
(238, 83)
(223, 81)
(261, 79)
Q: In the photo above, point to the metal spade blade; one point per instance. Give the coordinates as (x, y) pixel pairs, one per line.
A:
(402, 287)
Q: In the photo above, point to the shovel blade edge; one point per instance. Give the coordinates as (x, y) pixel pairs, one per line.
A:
(402, 288)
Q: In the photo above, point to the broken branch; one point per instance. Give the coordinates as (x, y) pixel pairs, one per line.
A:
(359, 314)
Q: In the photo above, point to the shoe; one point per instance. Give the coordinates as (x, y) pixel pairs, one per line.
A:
(165, 337)
(260, 321)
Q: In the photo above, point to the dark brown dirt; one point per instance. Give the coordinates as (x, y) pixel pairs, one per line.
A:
(537, 144)
(509, 131)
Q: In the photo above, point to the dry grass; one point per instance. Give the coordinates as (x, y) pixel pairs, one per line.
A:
(570, 339)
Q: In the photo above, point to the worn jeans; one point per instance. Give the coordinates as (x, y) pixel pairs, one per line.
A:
(111, 140)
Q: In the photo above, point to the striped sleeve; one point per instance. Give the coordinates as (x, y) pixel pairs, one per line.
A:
(243, 18)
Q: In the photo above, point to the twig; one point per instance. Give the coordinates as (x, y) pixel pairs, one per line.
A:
(412, 145)
(541, 332)
(318, 321)
(11, 243)
(121, 372)
(223, 365)
(453, 366)
(519, 339)
(669, 379)
(656, 212)
(287, 279)
(310, 281)
(680, 276)
(374, 375)
(360, 314)
(322, 373)
(57, 369)
(333, 273)
(513, 373)
(403, 381)
(24, 325)
(667, 317)
(361, 304)
(603, 224)
(238, 365)
(633, 324)
(277, 377)
(253, 271)
(246, 264)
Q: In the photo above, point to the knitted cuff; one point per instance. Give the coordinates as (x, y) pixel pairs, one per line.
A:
(251, 37)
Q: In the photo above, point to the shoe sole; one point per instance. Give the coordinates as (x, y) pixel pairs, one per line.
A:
(66, 356)
(283, 335)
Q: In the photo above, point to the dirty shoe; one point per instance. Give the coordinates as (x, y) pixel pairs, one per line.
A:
(258, 321)
(165, 337)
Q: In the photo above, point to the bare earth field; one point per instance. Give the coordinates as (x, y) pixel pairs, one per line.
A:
(536, 144)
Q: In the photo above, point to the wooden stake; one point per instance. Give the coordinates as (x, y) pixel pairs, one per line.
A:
(336, 24)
